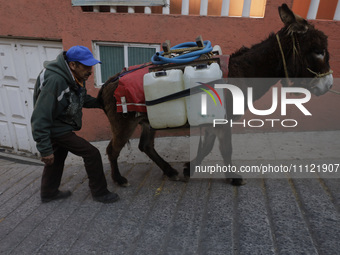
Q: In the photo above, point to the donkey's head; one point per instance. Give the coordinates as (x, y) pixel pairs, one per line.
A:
(304, 52)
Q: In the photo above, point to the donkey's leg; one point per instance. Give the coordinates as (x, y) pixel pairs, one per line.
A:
(113, 154)
(224, 136)
(146, 145)
(121, 133)
(203, 150)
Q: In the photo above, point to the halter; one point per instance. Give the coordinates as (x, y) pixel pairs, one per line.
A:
(295, 51)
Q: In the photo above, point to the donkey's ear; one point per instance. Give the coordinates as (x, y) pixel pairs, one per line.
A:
(295, 23)
(286, 15)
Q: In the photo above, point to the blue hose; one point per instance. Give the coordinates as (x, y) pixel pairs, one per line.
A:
(158, 59)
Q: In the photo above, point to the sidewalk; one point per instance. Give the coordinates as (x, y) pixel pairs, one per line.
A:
(256, 146)
(158, 216)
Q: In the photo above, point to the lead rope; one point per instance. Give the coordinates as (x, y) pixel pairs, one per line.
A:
(320, 75)
(334, 91)
(283, 57)
(317, 75)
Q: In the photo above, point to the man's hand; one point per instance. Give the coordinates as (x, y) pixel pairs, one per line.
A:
(48, 160)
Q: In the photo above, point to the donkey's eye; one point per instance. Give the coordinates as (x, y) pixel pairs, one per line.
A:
(319, 52)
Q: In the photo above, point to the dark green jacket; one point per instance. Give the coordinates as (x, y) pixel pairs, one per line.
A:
(58, 102)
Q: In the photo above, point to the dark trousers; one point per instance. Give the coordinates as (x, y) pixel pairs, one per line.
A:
(70, 142)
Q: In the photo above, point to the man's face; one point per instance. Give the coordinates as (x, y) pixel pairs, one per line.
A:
(80, 71)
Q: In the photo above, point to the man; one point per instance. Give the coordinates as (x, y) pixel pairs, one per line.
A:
(59, 96)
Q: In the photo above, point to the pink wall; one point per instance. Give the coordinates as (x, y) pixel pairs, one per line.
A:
(59, 20)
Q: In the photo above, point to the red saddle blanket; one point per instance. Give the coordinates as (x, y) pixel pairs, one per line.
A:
(129, 94)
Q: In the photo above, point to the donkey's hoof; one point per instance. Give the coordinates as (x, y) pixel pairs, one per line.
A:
(122, 181)
(186, 169)
(174, 178)
(238, 182)
(125, 184)
(186, 178)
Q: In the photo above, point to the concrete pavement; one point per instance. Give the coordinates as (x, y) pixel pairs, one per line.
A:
(157, 216)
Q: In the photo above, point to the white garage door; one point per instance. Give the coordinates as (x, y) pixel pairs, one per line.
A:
(20, 63)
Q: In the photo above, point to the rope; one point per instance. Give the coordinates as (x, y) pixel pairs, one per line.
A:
(182, 50)
(334, 91)
(158, 59)
(283, 56)
(320, 75)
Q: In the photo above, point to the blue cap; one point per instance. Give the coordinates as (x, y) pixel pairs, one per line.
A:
(82, 55)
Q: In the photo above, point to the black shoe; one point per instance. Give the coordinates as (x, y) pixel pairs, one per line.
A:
(59, 195)
(107, 198)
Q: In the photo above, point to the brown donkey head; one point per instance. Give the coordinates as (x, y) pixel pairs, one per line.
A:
(304, 52)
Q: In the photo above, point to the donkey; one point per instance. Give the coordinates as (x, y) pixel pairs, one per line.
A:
(298, 50)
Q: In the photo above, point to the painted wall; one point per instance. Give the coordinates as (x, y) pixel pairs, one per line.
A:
(58, 20)
(326, 8)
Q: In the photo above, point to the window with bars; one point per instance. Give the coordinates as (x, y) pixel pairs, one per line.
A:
(116, 56)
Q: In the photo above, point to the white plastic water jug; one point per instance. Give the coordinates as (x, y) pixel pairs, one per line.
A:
(192, 77)
(160, 84)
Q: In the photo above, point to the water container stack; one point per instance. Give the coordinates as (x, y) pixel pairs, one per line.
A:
(159, 84)
(178, 112)
(193, 75)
